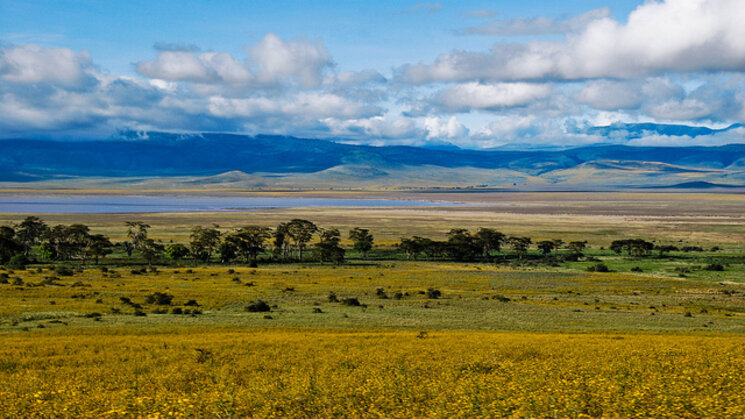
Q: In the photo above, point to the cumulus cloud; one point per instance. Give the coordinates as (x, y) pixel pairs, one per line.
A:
(534, 26)
(309, 105)
(437, 128)
(669, 36)
(27, 64)
(270, 61)
(301, 59)
(469, 96)
(611, 95)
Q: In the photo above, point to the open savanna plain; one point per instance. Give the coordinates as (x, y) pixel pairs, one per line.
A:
(387, 337)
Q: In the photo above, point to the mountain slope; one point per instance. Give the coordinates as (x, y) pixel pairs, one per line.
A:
(245, 160)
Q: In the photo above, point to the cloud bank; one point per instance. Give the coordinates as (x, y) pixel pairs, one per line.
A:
(672, 62)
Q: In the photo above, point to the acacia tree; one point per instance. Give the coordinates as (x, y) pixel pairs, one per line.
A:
(301, 231)
(490, 240)
(151, 249)
(362, 240)
(137, 233)
(329, 248)
(520, 245)
(176, 251)
(410, 247)
(546, 246)
(204, 242)
(249, 241)
(9, 246)
(29, 232)
(461, 245)
(577, 247)
(97, 246)
(281, 241)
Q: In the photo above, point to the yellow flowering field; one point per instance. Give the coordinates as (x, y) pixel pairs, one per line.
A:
(294, 372)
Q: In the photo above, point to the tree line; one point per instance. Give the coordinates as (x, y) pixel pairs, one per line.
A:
(289, 241)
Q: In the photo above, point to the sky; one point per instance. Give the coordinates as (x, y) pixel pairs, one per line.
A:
(475, 74)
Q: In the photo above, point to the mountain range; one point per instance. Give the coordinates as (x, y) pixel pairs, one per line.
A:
(264, 161)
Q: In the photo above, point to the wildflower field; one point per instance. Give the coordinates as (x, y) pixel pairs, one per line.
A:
(494, 341)
(325, 373)
(660, 336)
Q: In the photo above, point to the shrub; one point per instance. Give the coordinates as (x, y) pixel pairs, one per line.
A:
(380, 293)
(18, 262)
(333, 298)
(600, 267)
(192, 303)
(177, 310)
(398, 296)
(636, 269)
(258, 306)
(352, 302)
(159, 298)
(61, 270)
(714, 267)
(433, 294)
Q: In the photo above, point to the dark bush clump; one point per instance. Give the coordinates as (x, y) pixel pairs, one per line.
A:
(333, 298)
(600, 267)
(433, 294)
(636, 269)
(19, 262)
(159, 298)
(380, 293)
(398, 296)
(63, 270)
(714, 267)
(192, 303)
(177, 310)
(258, 306)
(353, 302)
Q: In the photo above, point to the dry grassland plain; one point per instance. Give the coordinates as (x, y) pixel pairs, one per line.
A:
(501, 340)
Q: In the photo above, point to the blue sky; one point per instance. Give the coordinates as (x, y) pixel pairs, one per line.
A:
(477, 74)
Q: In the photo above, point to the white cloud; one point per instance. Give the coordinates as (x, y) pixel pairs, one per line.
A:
(300, 59)
(611, 95)
(670, 36)
(437, 128)
(308, 105)
(271, 61)
(732, 136)
(467, 96)
(26, 64)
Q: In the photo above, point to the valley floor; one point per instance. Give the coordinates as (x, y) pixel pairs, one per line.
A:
(394, 338)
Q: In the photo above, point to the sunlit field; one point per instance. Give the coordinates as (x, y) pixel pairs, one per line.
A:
(337, 373)
(383, 336)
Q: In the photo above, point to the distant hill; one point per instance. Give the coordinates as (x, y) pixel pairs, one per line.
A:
(267, 161)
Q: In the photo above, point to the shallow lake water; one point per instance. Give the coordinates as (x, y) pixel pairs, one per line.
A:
(136, 204)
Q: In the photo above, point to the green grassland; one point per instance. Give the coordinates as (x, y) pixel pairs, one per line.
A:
(473, 297)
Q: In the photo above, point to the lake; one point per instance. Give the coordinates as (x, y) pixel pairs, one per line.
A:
(144, 204)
